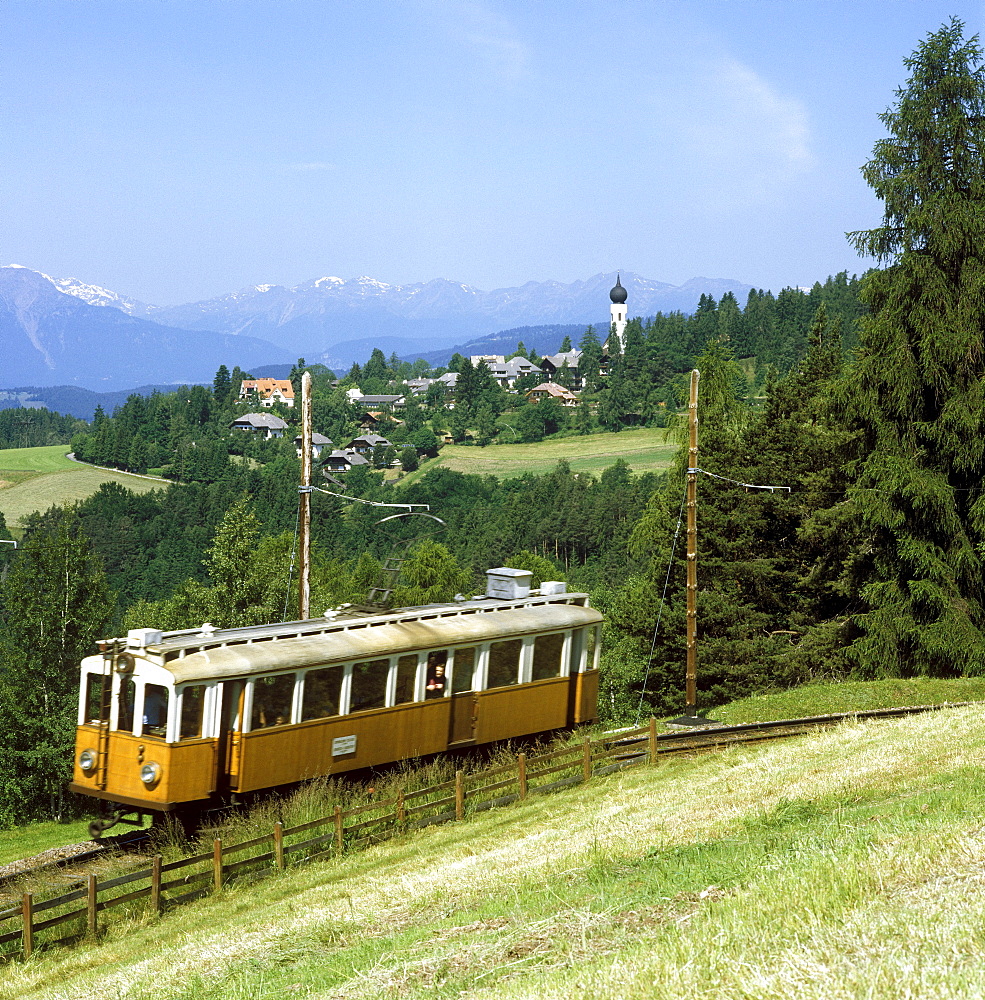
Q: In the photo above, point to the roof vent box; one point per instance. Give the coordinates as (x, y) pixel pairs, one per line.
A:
(508, 584)
(140, 638)
(551, 587)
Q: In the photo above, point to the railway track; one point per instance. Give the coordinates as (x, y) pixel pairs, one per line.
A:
(72, 861)
(713, 736)
(75, 861)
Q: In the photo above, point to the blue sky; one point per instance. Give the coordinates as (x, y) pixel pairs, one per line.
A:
(173, 150)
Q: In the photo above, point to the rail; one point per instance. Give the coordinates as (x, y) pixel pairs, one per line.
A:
(166, 885)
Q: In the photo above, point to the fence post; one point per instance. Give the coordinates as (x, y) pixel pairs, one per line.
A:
(521, 766)
(279, 845)
(459, 794)
(586, 764)
(91, 903)
(653, 740)
(401, 810)
(27, 914)
(338, 827)
(217, 864)
(155, 885)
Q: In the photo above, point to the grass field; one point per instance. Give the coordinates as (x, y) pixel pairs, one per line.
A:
(644, 449)
(843, 864)
(33, 479)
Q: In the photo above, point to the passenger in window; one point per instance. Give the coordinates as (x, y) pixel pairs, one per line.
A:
(155, 707)
(436, 680)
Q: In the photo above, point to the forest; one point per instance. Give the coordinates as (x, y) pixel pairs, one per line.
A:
(841, 506)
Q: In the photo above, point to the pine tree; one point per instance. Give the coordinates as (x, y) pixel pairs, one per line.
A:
(916, 398)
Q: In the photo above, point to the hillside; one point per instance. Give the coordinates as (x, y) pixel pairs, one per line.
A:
(644, 449)
(840, 865)
(33, 479)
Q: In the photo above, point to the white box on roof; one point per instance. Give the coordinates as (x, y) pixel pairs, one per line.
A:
(508, 584)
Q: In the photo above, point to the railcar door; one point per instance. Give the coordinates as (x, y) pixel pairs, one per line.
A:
(464, 713)
(230, 736)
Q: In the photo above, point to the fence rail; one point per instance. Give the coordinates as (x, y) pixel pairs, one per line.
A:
(392, 816)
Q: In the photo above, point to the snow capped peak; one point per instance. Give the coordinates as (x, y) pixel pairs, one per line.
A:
(263, 288)
(328, 281)
(19, 266)
(93, 295)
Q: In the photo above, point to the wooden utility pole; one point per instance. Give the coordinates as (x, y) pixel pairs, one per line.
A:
(692, 551)
(304, 500)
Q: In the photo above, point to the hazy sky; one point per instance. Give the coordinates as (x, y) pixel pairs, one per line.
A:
(173, 150)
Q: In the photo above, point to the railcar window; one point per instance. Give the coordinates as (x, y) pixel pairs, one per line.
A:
(406, 676)
(97, 698)
(437, 679)
(192, 712)
(128, 695)
(155, 710)
(547, 656)
(461, 675)
(504, 663)
(369, 685)
(322, 691)
(591, 638)
(272, 698)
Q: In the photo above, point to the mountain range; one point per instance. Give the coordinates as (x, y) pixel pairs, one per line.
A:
(61, 331)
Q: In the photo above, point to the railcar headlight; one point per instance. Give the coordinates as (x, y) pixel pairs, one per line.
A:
(87, 761)
(150, 774)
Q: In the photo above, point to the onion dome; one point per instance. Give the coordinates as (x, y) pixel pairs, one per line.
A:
(618, 294)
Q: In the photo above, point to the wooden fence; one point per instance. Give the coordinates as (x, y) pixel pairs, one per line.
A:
(33, 923)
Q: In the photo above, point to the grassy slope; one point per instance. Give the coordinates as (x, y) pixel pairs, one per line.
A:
(645, 449)
(845, 864)
(33, 479)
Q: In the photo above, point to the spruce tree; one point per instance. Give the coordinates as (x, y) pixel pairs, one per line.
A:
(916, 397)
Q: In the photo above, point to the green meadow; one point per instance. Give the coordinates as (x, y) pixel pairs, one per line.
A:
(644, 449)
(34, 479)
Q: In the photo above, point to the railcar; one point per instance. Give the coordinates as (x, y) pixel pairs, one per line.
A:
(178, 722)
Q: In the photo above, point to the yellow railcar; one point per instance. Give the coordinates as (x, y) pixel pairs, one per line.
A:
(179, 721)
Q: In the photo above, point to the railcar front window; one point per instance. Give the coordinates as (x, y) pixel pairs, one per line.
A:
(272, 697)
(504, 663)
(155, 710)
(127, 696)
(406, 677)
(369, 685)
(461, 675)
(322, 693)
(97, 699)
(547, 656)
(192, 712)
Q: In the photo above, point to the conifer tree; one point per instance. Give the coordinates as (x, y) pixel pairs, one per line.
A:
(55, 604)
(916, 398)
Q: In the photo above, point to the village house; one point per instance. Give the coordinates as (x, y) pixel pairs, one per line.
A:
(548, 390)
(553, 363)
(343, 460)
(318, 444)
(507, 373)
(268, 391)
(364, 444)
(265, 424)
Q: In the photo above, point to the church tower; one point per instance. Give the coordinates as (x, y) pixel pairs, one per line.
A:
(618, 312)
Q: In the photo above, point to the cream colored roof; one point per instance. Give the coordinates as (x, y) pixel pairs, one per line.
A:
(378, 640)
